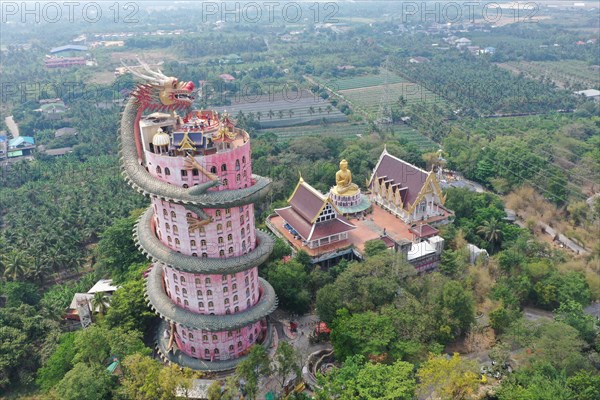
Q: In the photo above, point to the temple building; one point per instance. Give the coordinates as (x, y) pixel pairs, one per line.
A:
(401, 207)
(200, 230)
(405, 190)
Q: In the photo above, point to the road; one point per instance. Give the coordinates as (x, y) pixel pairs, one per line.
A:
(12, 126)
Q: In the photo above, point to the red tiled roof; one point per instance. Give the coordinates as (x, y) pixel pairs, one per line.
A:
(402, 175)
(306, 201)
(290, 216)
(424, 231)
(331, 227)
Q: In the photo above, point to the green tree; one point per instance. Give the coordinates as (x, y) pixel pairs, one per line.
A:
(374, 247)
(252, 368)
(571, 313)
(86, 382)
(458, 306)
(490, 230)
(100, 303)
(128, 308)
(585, 385)
(59, 363)
(286, 363)
(289, 279)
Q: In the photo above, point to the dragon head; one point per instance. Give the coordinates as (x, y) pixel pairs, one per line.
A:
(161, 92)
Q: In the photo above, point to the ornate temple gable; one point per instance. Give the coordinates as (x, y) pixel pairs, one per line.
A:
(309, 203)
(431, 186)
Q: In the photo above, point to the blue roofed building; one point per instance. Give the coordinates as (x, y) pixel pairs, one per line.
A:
(20, 146)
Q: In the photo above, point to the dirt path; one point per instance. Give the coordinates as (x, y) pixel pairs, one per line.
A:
(12, 126)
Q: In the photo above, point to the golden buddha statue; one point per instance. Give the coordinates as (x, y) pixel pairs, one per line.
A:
(343, 180)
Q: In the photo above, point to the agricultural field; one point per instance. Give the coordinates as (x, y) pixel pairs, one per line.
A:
(286, 109)
(570, 74)
(342, 130)
(369, 98)
(413, 137)
(363, 81)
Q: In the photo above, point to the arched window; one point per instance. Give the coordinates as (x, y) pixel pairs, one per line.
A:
(202, 230)
(200, 304)
(243, 245)
(246, 281)
(167, 171)
(178, 300)
(167, 226)
(183, 173)
(195, 172)
(218, 213)
(176, 289)
(213, 170)
(251, 338)
(206, 351)
(185, 302)
(192, 243)
(165, 212)
(177, 242)
(205, 338)
(231, 347)
(175, 229)
(207, 281)
(243, 159)
(189, 215)
(191, 335)
(209, 292)
(230, 250)
(228, 225)
(219, 227)
(237, 165)
(203, 242)
(220, 240)
(215, 338)
(198, 292)
(229, 237)
(241, 220)
(221, 253)
(225, 182)
(184, 291)
(236, 309)
(225, 289)
(158, 169)
(248, 303)
(235, 298)
(226, 301)
(193, 349)
(175, 277)
(240, 344)
(234, 286)
(182, 279)
(184, 334)
(238, 178)
(204, 255)
(211, 304)
(244, 174)
(173, 215)
(228, 311)
(216, 352)
(243, 231)
(223, 167)
(247, 292)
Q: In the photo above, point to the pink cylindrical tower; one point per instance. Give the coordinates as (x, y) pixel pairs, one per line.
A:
(200, 234)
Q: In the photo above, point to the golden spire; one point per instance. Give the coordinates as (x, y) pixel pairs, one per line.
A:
(187, 143)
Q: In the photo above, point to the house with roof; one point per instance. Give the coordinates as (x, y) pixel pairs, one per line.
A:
(462, 43)
(590, 94)
(227, 77)
(314, 217)
(53, 110)
(406, 191)
(20, 146)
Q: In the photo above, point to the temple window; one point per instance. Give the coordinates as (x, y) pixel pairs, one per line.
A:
(243, 159)
(203, 242)
(194, 254)
(177, 242)
(165, 212)
(231, 347)
(185, 302)
(200, 304)
(216, 351)
(237, 165)
(209, 292)
(244, 173)
(206, 351)
(248, 303)
(219, 227)
(221, 253)
(218, 213)
(243, 245)
(243, 232)
(246, 281)
(225, 182)
(202, 230)
(167, 171)
(176, 289)
(239, 344)
(247, 292)
(158, 169)
(204, 255)
(175, 277)
(207, 281)
(229, 237)
(235, 298)
(251, 338)
(167, 226)
(191, 336)
(215, 338)
(182, 279)
(213, 170)
(184, 334)
(192, 243)
(173, 215)
(211, 304)
(229, 334)
(225, 289)
(236, 309)
(178, 300)
(226, 301)
(183, 173)
(175, 229)
(193, 349)
(241, 220)
(223, 167)
(241, 209)
(194, 172)
(238, 178)
(189, 215)
(220, 240)
(234, 286)
(169, 239)
(198, 292)
(184, 291)
(228, 212)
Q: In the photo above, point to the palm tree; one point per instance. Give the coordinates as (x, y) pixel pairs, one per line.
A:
(100, 303)
(15, 265)
(490, 230)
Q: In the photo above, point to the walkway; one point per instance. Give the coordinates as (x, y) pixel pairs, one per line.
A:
(12, 126)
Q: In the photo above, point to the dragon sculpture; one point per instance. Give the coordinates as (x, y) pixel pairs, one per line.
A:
(167, 94)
